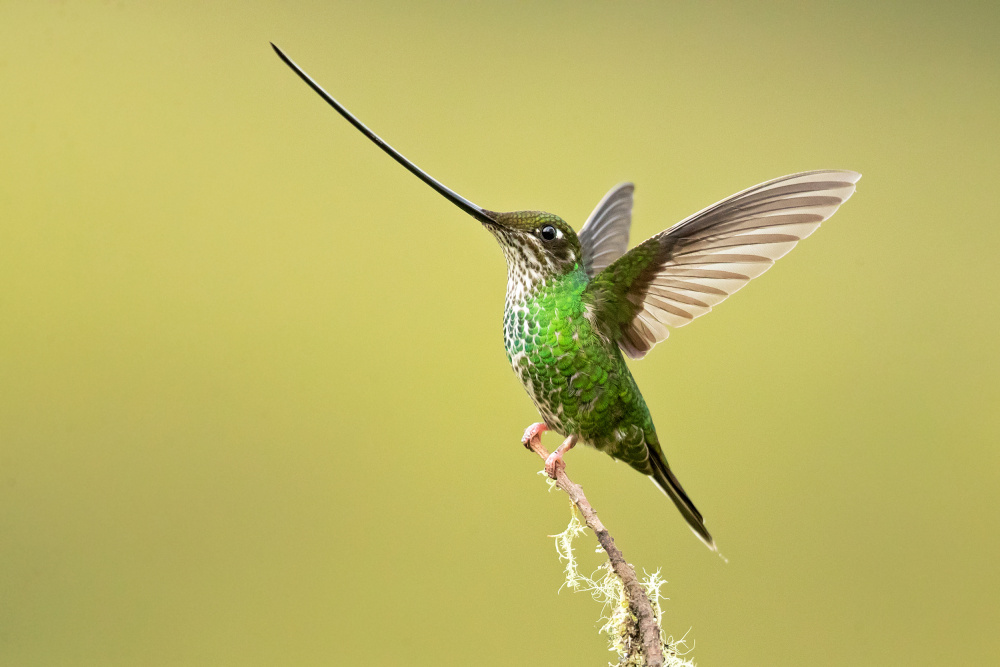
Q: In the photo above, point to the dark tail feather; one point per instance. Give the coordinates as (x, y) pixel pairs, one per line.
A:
(667, 483)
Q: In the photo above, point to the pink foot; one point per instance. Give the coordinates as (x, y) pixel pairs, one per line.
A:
(533, 434)
(555, 460)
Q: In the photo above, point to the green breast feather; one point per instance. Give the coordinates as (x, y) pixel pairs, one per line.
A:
(577, 378)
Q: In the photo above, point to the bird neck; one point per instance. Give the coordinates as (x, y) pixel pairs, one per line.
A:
(527, 285)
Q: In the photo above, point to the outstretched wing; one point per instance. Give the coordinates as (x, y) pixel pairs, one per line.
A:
(681, 273)
(604, 237)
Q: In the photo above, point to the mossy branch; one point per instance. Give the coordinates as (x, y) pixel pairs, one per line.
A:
(646, 627)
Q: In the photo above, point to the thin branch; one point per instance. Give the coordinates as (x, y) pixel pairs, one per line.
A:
(647, 627)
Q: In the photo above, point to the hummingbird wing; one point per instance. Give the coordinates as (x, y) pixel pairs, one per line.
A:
(604, 237)
(681, 273)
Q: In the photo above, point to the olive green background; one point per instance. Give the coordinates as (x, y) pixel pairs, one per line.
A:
(254, 405)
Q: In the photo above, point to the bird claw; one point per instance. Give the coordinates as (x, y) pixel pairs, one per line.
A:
(553, 462)
(533, 434)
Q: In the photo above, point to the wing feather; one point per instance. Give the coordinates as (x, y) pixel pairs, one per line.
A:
(604, 237)
(682, 273)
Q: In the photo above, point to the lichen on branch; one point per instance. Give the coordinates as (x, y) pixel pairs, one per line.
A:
(608, 590)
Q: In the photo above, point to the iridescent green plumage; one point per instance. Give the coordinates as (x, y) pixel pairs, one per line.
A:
(576, 304)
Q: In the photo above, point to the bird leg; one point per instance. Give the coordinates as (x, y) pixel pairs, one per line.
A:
(555, 459)
(533, 434)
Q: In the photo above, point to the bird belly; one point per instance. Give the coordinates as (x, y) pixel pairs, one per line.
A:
(579, 387)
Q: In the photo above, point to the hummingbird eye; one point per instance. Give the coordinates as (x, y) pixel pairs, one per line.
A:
(548, 232)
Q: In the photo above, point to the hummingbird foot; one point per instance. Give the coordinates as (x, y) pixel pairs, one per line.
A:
(555, 459)
(533, 434)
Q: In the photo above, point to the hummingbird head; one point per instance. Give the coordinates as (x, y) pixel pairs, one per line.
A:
(537, 245)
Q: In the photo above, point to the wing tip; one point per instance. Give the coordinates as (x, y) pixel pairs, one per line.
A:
(848, 175)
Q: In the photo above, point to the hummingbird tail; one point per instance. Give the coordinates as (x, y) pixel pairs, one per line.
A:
(664, 479)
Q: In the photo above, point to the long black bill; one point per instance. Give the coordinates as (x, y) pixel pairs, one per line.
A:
(458, 200)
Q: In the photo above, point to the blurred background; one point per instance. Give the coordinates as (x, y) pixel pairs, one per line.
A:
(254, 404)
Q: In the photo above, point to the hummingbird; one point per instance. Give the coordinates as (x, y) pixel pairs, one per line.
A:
(577, 304)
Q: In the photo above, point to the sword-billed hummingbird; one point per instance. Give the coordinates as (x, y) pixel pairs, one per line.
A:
(576, 303)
